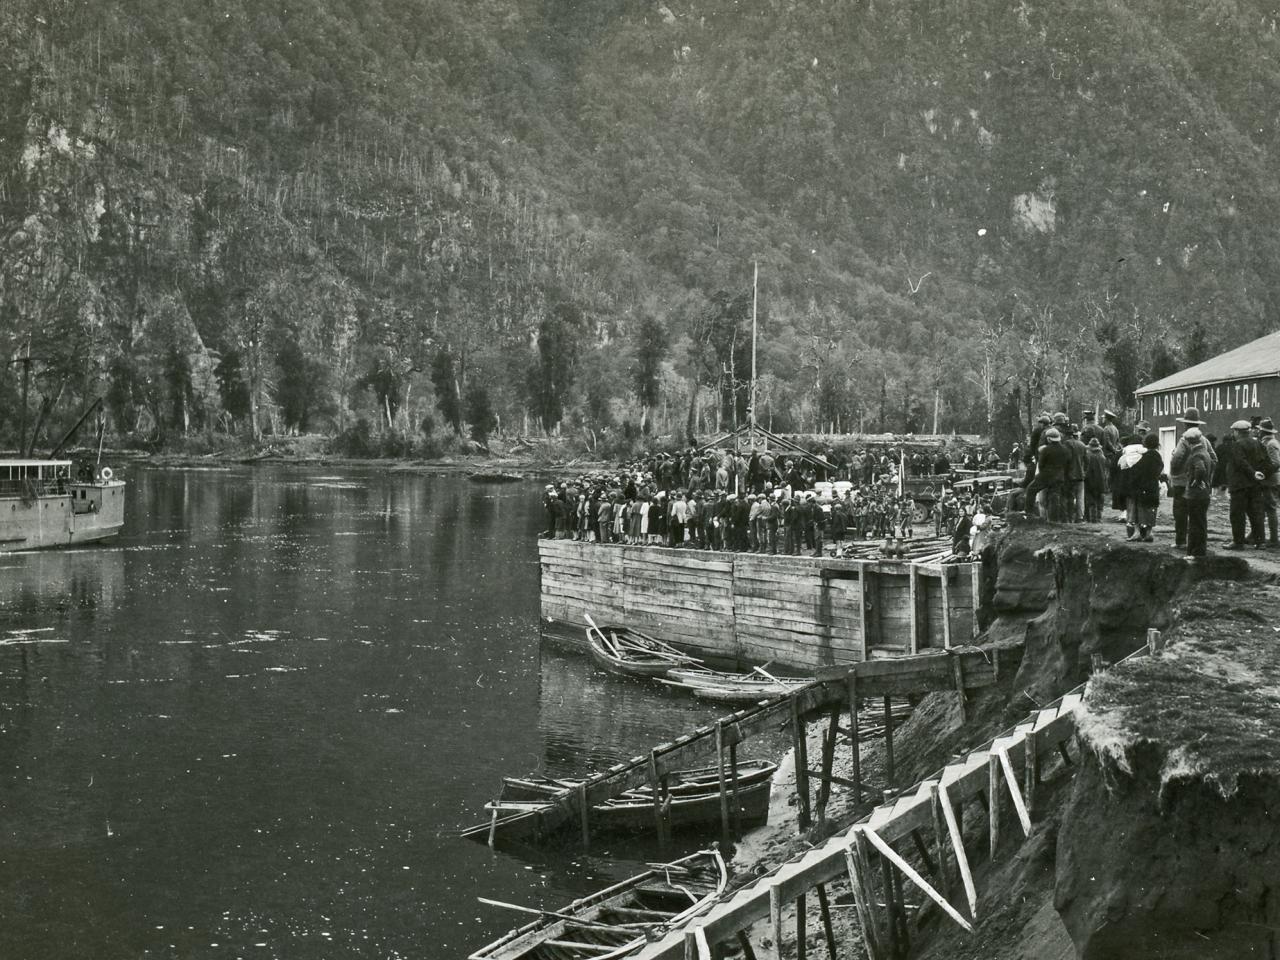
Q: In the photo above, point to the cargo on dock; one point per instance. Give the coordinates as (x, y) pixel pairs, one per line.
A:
(802, 613)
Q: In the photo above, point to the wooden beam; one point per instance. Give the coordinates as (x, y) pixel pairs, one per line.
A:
(957, 670)
(775, 918)
(828, 931)
(877, 943)
(1031, 771)
(725, 831)
(939, 838)
(800, 749)
(1019, 807)
(854, 740)
(862, 610)
(913, 601)
(888, 739)
(957, 847)
(975, 574)
(946, 609)
(584, 813)
(892, 856)
(801, 940)
(993, 803)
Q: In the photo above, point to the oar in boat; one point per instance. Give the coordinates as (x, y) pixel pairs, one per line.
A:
(568, 917)
(766, 674)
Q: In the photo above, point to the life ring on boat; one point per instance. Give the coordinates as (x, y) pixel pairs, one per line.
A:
(106, 474)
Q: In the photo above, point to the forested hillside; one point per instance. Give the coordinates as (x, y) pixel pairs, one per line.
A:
(424, 217)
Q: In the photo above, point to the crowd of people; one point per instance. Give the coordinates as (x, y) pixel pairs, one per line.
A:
(1072, 469)
(756, 501)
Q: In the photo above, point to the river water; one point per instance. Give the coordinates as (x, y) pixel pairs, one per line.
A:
(247, 726)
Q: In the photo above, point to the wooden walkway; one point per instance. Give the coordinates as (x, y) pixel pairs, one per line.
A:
(841, 694)
(1005, 770)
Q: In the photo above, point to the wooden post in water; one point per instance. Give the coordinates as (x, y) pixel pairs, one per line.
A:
(584, 815)
(655, 784)
(940, 838)
(733, 771)
(801, 751)
(725, 831)
(854, 741)
(888, 739)
(748, 951)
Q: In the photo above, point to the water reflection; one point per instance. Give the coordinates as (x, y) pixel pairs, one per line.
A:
(250, 723)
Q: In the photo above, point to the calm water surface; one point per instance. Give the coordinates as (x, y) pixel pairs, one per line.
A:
(246, 727)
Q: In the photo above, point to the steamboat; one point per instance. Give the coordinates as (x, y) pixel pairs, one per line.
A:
(43, 505)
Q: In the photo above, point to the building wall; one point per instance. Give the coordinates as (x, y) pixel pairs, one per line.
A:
(803, 613)
(1220, 404)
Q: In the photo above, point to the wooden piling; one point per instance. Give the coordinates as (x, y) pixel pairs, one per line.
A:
(748, 951)
(856, 860)
(801, 942)
(725, 832)
(854, 739)
(801, 752)
(655, 784)
(775, 919)
(828, 761)
(733, 776)
(828, 931)
(957, 671)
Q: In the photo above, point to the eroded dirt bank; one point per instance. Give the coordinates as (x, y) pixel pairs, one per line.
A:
(1123, 861)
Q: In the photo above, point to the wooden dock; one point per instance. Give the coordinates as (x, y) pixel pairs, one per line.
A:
(802, 613)
(840, 694)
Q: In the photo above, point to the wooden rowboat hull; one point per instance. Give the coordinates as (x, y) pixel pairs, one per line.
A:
(630, 653)
(730, 687)
(612, 923)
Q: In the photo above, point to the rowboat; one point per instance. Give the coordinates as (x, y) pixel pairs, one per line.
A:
(617, 921)
(732, 687)
(692, 799)
(626, 651)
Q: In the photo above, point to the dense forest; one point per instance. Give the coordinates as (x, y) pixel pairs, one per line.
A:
(403, 221)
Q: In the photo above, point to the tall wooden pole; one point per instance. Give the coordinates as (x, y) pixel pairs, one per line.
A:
(755, 291)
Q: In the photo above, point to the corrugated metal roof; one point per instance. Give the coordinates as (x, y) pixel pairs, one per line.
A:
(1258, 358)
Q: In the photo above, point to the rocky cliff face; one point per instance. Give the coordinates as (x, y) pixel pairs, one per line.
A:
(1169, 844)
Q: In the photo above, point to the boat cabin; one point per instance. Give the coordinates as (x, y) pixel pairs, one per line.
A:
(34, 477)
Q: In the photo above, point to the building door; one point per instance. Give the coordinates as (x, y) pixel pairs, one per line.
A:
(1168, 441)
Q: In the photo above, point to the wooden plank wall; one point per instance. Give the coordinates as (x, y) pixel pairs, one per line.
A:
(799, 612)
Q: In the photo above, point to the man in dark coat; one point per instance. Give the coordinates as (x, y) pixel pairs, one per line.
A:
(1053, 463)
(1075, 475)
(1090, 430)
(1246, 468)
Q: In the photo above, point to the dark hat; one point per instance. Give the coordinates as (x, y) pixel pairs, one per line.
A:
(1043, 418)
(1151, 441)
(1254, 421)
(1191, 416)
(1266, 426)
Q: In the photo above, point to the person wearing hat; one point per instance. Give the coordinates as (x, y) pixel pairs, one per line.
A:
(1090, 428)
(1271, 485)
(1246, 466)
(1032, 452)
(1075, 475)
(1095, 480)
(1178, 473)
(1053, 465)
(1111, 445)
(1144, 488)
(1197, 467)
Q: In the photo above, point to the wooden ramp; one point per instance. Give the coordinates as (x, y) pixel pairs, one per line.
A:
(842, 694)
(1003, 771)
